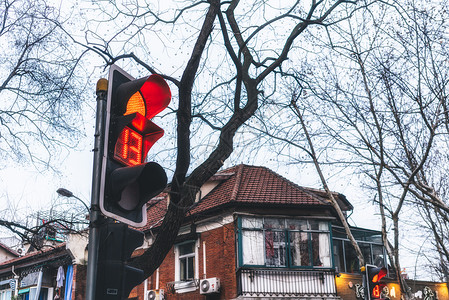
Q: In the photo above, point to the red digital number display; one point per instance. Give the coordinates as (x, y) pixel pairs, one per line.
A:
(128, 148)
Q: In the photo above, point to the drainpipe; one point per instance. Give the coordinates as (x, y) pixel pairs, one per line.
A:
(16, 286)
(204, 260)
(145, 289)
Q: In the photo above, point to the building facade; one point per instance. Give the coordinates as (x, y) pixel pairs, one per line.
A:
(255, 235)
(251, 234)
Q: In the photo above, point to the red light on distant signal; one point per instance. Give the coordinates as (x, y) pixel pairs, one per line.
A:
(382, 273)
(374, 275)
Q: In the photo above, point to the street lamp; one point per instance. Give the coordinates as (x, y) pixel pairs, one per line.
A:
(66, 193)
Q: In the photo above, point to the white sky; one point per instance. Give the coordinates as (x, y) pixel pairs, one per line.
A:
(30, 190)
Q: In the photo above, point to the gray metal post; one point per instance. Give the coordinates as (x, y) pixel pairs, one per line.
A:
(95, 216)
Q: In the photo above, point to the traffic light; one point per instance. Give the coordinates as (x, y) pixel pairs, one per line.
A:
(127, 182)
(115, 278)
(374, 275)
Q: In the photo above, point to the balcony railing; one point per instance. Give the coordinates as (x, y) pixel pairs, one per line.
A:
(277, 282)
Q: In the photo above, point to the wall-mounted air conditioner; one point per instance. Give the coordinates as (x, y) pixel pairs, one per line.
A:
(155, 295)
(210, 285)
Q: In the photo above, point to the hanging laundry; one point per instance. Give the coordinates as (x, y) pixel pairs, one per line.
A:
(60, 277)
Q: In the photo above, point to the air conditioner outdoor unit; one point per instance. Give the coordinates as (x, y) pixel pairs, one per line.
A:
(210, 285)
(155, 295)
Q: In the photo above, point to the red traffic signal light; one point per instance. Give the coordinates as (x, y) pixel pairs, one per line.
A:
(375, 286)
(127, 182)
(144, 98)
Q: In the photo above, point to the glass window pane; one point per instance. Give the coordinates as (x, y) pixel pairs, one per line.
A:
(273, 223)
(366, 251)
(339, 232)
(253, 248)
(375, 238)
(339, 255)
(314, 225)
(190, 268)
(248, 222)
(352, 262)
(275, 248)
(378, 256)
(296, 224)
(186, 267)
(183, 269)
(299, 250)
(323, 226)
(186, 248)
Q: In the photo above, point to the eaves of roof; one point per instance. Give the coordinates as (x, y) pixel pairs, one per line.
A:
(246, 186)
(34, 258)
(9, 250)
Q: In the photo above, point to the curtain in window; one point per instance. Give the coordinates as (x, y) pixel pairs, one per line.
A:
(279, 242)
(299, 249)
(325, 252)
(253, 248)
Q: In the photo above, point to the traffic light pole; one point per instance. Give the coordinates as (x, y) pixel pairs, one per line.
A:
(95, 216)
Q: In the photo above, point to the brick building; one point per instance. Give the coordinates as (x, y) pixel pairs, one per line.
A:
(253, 234)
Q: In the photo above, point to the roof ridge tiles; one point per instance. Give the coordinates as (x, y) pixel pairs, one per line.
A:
(238, 179)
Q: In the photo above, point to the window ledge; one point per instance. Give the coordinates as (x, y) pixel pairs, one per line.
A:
(184, 286)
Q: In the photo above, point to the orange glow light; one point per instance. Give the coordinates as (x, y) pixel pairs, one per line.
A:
(376, 291)
(135, 104)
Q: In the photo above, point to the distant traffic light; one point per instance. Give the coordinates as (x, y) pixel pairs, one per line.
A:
(115, 278)
(374, 275)
(127, 182)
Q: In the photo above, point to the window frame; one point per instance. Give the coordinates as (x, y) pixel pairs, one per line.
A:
(184, 286)
(364, 242)
(287, 241)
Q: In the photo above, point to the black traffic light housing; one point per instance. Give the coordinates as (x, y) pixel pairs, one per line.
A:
(115, 278)
(374, 276)
(127, 182)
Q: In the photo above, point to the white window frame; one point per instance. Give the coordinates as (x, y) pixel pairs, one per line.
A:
(186, 286)
(6, 294)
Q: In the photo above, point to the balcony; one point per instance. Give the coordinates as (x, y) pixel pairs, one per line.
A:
(286, 283)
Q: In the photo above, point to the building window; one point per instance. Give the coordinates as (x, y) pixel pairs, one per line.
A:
(5, 294)
(370, 243)
(284, 242)
(187, 261)
(186, 266)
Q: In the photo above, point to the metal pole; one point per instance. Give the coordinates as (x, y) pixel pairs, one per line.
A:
(95, 216)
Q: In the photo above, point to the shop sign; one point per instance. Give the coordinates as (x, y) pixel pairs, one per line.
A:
(390, 293)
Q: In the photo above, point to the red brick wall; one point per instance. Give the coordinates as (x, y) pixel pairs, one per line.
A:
(79, 282)
(220, 263)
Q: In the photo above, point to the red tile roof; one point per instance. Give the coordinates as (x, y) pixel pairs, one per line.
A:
(246, 185)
